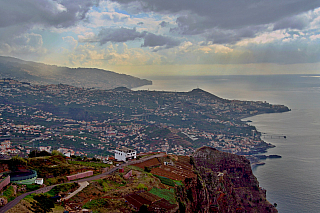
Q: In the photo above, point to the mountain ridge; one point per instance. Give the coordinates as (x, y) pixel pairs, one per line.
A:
(39, 73)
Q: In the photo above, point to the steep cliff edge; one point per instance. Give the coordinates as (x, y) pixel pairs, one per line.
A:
(224, 183)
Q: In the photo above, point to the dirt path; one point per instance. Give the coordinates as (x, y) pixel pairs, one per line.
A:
(82, 186)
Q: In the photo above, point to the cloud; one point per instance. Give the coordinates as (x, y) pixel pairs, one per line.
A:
(122, 34)
(72, 43)
(164, 24)
(27, 46)
(227, 14)
(152, 40)
(113, 54)
(59, 14)
(113, 16)
(115, 35)
(298, 22)
(236, 19)
(219, 36)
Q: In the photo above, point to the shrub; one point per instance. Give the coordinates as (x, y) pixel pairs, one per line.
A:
(42, 203)
(32, 187)
(9, 193)
(141, 186)
(96, 203)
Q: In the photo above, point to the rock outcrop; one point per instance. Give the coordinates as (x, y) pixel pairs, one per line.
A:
(224, 183)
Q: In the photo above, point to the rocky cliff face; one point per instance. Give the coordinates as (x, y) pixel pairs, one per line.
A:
(224, 183)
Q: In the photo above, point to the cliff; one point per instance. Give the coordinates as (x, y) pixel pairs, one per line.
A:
(224, 183)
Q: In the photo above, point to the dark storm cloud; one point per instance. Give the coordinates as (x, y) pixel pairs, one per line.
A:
(125, 34)
(58, 14)
(218, 36)
(203, 14)
(116, 35)
(152, 40)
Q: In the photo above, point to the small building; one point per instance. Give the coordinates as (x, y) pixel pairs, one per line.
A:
(39, 181)
(124, 154)
(66, 152)
(45, 148)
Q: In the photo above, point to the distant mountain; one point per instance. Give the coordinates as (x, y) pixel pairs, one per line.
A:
(38, 73)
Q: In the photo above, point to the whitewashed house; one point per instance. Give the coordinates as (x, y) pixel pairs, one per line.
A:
(124, 154)
(39, 181)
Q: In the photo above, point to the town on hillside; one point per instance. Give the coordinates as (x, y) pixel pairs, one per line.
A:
(83, 149)
(94, 123)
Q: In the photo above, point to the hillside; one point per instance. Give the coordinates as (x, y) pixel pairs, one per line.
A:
(38, 73)
(209, 181)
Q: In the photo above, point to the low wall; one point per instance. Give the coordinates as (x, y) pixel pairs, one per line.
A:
(4, 182)
(80, 175)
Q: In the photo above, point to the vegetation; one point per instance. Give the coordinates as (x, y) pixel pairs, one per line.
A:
(166, 181)
(36, 153)
(89, 164)
(32, 187)
(135, 168)
(62, 188)
(42, 203)
(167, 194)
(109, 185)
(15, 162)
(96, 203)
(142, 186)
(9, 193)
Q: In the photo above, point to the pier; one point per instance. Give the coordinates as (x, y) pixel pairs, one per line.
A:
(266, 136)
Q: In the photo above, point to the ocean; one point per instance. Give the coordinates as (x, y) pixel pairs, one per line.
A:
(293, 181)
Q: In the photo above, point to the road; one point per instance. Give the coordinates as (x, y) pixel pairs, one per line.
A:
(82, 186)
(48, 188)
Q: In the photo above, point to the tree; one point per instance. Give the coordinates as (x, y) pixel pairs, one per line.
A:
(17, 161)
(42, 203)
(36, 153)
(147, 169)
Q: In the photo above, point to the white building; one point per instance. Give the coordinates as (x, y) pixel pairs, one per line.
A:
(39, 181)
(45, 148)
(66, 152)
(124, 154)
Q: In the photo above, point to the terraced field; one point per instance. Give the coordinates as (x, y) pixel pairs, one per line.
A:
(149, 163)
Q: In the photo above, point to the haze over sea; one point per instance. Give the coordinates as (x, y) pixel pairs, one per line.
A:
(293, 181)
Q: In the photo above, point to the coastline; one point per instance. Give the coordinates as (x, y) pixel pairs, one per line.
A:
(255, 158)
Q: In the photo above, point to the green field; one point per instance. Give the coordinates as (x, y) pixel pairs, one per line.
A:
(167, 194)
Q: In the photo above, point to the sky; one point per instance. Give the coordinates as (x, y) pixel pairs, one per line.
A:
(166, 37)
